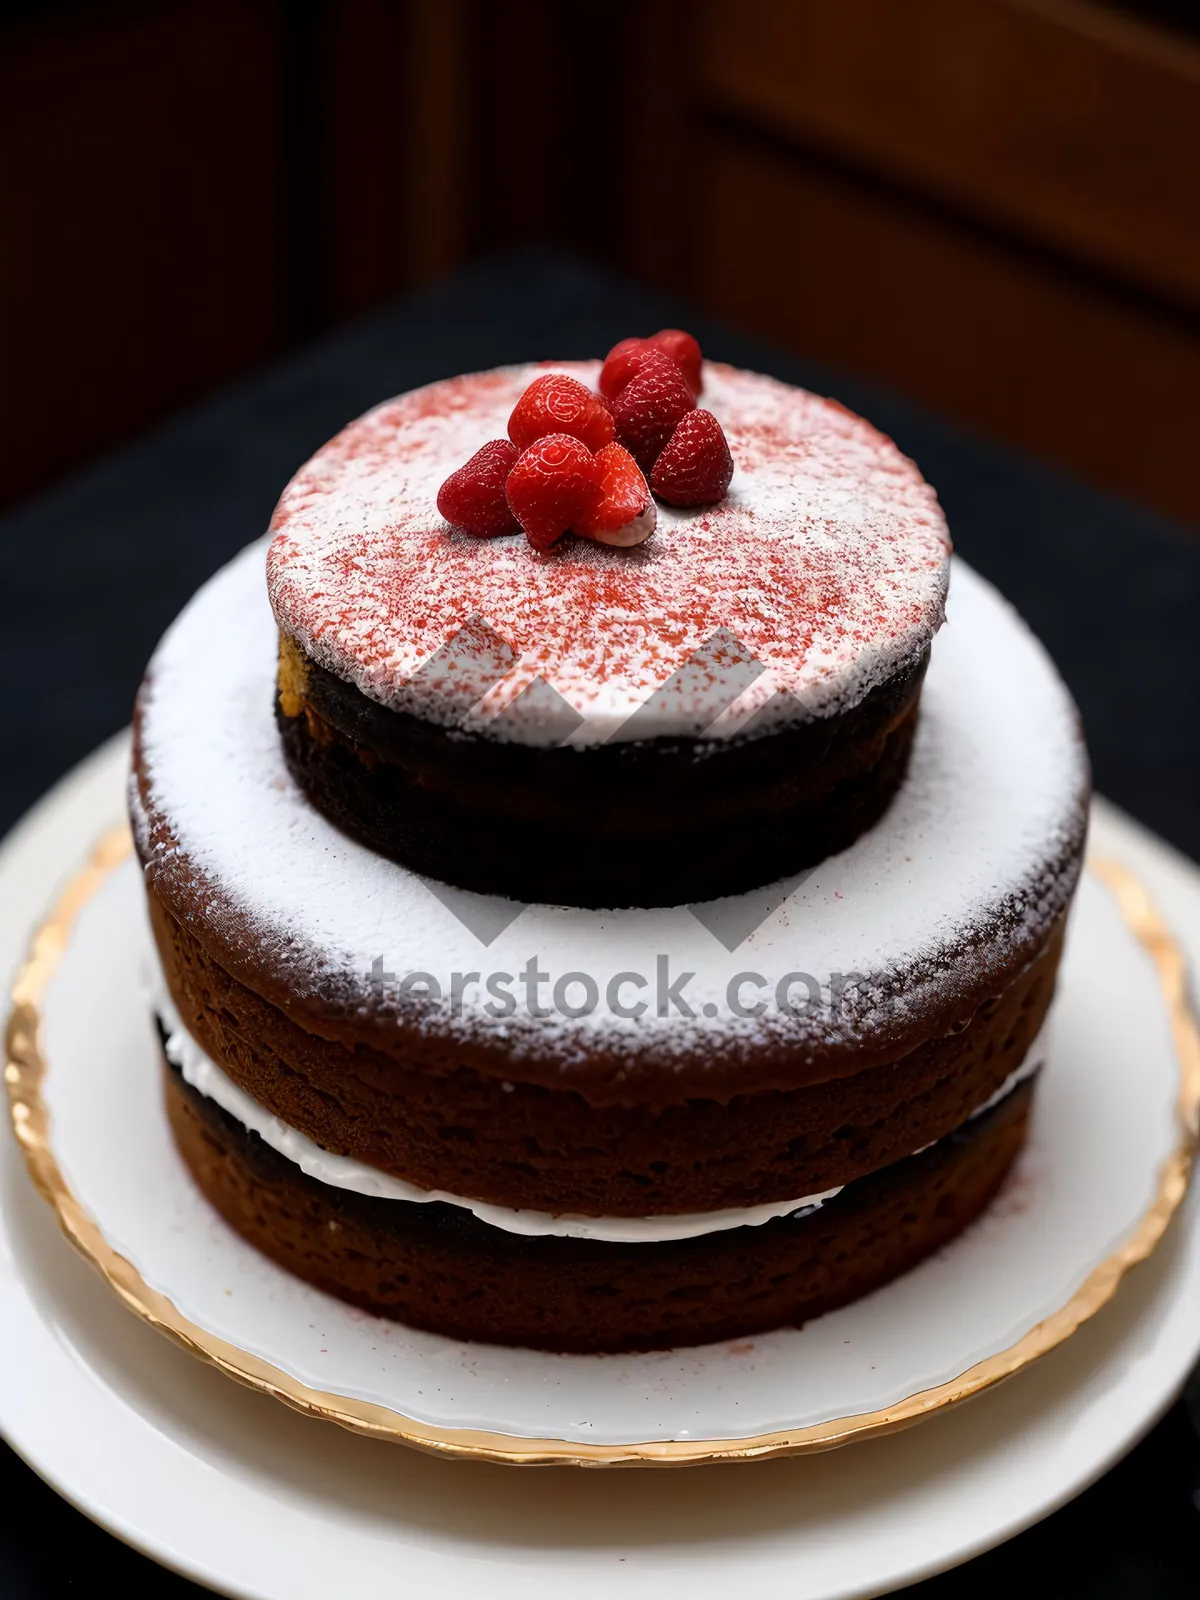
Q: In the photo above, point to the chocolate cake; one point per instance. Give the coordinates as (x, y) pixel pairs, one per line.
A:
(721, 706)
(601, 947)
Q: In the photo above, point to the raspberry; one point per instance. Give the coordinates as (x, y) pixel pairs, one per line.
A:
(627, 514)
(554, 484)
(555, 403)
(695, 466)
(473, 498)
(649, 406)
(684, 351)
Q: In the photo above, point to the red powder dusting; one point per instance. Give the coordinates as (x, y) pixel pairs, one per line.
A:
(827, 560)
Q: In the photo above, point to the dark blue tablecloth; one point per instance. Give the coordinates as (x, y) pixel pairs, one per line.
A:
(92, 572)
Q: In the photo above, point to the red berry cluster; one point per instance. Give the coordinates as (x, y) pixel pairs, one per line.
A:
(577, 461)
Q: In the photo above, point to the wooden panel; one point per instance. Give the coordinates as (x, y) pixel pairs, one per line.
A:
(399, 130)
(856, 276)
(185, 189)
(660, 184)
(139, 211)
(1078, 126)
(571, 131)
(438, 90)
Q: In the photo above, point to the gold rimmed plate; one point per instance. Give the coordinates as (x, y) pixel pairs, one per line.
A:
(1106, 1167)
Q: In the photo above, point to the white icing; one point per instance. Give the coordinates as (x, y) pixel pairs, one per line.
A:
(343, 1172)
(976, 856)
(826, 561)
(1035, 1060)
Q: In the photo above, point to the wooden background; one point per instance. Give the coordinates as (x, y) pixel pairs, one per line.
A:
(993, 205)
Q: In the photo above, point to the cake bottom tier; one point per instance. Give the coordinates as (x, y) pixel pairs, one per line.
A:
(437, 1267)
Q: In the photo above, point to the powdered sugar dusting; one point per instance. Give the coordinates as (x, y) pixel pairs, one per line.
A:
(827, 561)
(972, 863)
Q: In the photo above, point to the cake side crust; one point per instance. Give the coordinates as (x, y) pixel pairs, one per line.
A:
(633, 823)
(436, 1121)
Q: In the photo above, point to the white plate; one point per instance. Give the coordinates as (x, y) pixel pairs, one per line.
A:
(241, 1493)
(1105, 1127)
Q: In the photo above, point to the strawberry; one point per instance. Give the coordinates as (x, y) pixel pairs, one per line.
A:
(649, 406)
(695, 466)
(555, 403)
(473, 498)
(554, 484)
(684, 351)
(624, 360)
(627, 513)
(620, 364)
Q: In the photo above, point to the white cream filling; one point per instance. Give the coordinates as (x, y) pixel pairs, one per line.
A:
(203, 1074)
(1035, 1059)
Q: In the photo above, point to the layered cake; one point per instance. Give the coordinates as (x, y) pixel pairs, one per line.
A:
(592, 912)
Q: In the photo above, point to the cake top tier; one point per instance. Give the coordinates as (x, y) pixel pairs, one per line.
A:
(821, 574)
